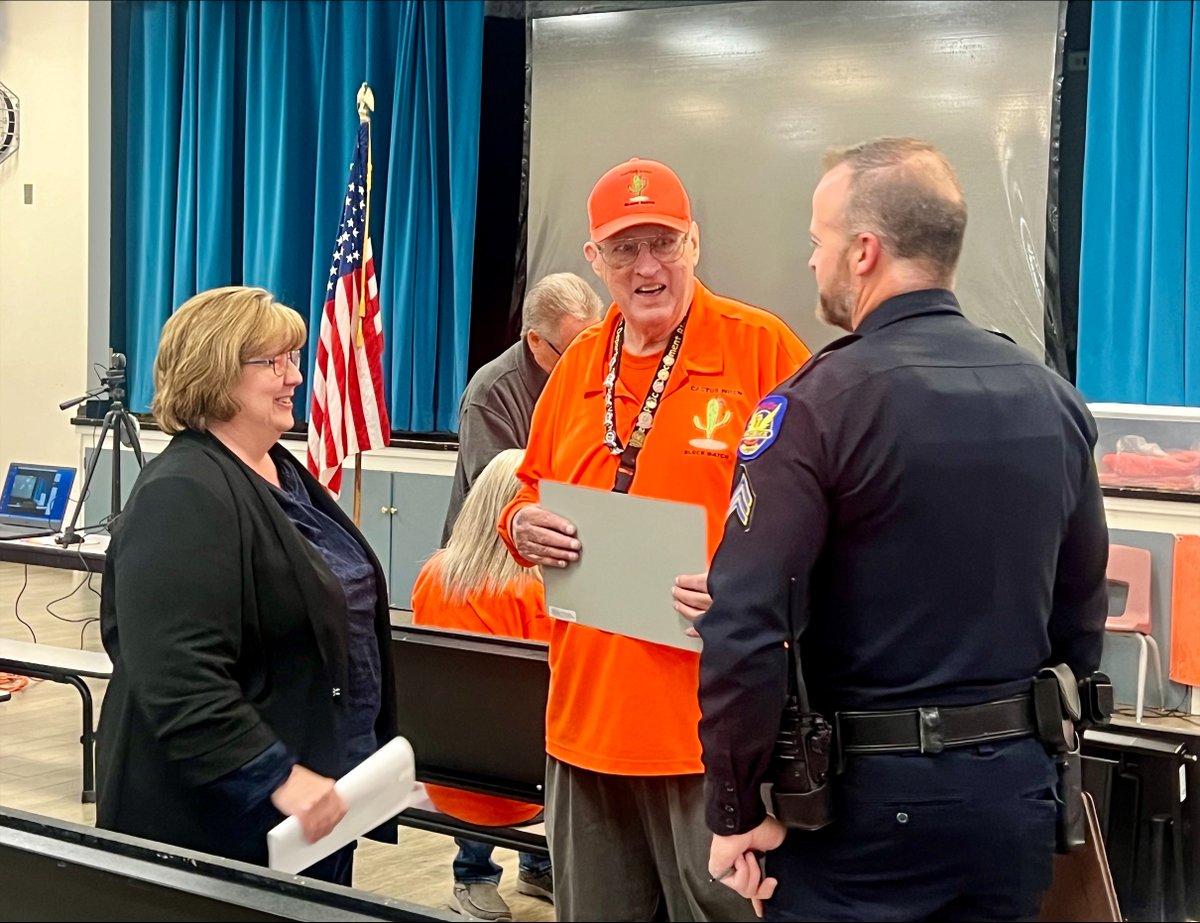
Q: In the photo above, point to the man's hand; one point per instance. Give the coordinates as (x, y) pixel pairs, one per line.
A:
(690, 593)
(544, 538)
(312, 800)
(733, 861)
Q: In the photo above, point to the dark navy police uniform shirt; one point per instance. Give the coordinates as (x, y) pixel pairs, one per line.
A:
(931, 488)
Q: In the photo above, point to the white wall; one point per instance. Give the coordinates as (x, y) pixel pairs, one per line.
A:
(44, 247)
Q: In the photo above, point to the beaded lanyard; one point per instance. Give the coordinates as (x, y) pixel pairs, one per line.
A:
(645, 419)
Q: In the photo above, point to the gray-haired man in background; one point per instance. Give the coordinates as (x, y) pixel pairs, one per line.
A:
(498, 401)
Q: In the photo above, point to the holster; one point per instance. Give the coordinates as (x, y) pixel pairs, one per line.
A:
(804, 810)
(1057, 710)
(1071, 832)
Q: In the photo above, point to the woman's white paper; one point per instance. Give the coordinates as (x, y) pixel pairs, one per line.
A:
(375, 791)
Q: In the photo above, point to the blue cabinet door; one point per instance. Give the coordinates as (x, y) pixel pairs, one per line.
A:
(376, 524)
(98, 502)
(420, 501)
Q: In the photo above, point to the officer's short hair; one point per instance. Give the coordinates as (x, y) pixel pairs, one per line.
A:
(558, 295)
(905, 191)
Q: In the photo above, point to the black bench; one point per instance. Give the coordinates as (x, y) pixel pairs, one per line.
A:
(55, 870)
(474, 709)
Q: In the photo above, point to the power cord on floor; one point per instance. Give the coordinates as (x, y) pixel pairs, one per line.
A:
(86, 620)
(17, 605)
(82, 630)
(11, 682)
(1177, 712)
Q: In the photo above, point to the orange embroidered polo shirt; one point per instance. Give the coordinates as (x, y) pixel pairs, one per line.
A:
(516, 612)
(619, 705)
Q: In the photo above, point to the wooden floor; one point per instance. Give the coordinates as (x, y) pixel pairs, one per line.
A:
(40, 755)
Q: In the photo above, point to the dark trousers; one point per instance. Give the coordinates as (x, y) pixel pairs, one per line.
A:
(962, 835)
(337, 868)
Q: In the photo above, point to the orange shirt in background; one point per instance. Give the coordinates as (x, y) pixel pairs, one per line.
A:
(516, 612)
(619, 705)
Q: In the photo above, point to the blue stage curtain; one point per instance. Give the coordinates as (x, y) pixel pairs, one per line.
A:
(1139, 301)
(239, 126)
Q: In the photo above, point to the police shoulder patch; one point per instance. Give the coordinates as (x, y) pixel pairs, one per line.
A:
(763, 427)
(741, 504)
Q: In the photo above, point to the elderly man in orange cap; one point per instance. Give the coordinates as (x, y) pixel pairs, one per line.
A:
(652, 402)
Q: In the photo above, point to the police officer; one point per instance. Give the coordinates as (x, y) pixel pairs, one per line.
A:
(930, 489)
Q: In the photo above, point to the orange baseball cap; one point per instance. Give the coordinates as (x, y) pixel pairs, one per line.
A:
(638, 192)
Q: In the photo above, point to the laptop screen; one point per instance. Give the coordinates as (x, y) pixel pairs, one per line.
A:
(36, 494)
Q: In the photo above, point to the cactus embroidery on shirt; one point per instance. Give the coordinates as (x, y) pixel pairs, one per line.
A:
(716, 415)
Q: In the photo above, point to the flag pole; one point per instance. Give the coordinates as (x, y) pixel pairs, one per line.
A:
(366, 103)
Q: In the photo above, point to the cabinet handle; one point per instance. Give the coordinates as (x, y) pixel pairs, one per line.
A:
(384, 510)
(392, 511)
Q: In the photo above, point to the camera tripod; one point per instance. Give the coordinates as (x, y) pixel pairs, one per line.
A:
(124, 428)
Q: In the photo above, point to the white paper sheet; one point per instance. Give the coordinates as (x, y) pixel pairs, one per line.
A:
(375, 791)
(633, 549)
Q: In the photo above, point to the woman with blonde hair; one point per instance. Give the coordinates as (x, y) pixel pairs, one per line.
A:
(473, 584)
(245, 615)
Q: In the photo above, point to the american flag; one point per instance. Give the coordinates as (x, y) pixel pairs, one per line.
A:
(348, 410)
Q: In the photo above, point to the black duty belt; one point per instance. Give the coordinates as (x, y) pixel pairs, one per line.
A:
(932, 730)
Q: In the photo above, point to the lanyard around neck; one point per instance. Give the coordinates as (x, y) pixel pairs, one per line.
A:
(627, 466)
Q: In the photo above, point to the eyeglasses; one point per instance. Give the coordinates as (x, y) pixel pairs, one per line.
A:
(279, 363)
(666, 248)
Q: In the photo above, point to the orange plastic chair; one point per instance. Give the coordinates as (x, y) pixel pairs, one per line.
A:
(1130, 567)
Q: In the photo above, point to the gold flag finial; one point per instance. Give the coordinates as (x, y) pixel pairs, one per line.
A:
(366, 103)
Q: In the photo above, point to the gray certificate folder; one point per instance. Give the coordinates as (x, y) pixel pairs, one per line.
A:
(633, 549)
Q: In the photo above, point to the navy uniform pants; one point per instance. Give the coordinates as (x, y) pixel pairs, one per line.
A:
(961, 835)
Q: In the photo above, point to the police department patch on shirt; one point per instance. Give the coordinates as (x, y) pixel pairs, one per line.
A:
(762, 427)
(741, 504)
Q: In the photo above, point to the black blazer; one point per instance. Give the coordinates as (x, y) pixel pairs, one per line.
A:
(227, 632)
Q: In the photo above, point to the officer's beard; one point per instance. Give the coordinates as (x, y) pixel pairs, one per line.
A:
(836, 305)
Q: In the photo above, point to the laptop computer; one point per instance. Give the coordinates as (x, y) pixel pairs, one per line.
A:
(34, 500)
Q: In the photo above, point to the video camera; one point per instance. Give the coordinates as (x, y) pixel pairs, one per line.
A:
(112, 381)
(124, 428)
